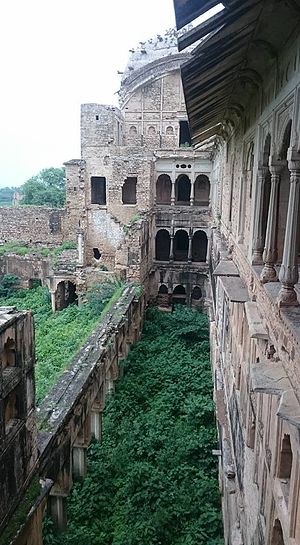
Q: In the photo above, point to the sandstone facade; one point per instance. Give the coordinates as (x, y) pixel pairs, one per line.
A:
(254, 115)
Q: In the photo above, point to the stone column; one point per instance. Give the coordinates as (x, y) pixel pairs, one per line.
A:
(96, 424)
(288, 274)
(79, 454)
(172, 247)
(258, 242)
(57, 508)
(192, 195)
(190, 247)
(269, 273)
(173, 193)
(80, 248)
(53, 305)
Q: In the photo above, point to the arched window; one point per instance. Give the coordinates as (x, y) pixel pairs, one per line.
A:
(162, 245)
(183, 189)
(169, 130)
(133, 130)
(179, 295)
(196, 293)
(199, 246)
(181, 245)
(286, 141)
(163, 289)
(277, 535)
(163, 189)
(8, 356)
(202, 190)
(286, 458)
(151, 130)
(129, 190)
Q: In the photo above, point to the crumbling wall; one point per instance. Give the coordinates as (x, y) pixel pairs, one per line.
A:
(32, 224)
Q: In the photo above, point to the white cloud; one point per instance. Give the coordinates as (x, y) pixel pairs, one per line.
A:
(56, 55)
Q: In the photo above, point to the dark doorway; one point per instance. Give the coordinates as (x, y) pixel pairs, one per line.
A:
(183, 190)
(196, 293)
(96, 253)
(277, 535)
(163, 189)
(129, 191)
(202, 190)
(162, 245)
(181, 245)
(184, 134)
(70, 293)
(179, 296)
(199, 246)
(98, 190)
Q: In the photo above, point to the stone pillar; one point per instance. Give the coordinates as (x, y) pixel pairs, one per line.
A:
(258, 242)
(190, 247)
(288, 274)
(269, 273)
(53, 304)
(192, 195)
(173, 193)
(96, 424)
(171, 247)
(80, 248)
(58, 512)
(79, 454)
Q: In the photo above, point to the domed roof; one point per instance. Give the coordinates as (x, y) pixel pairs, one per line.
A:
(150, 60)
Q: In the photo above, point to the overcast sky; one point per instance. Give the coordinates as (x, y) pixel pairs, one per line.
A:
(57, 54)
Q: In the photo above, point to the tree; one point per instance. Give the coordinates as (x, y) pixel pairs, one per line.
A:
(45, 188)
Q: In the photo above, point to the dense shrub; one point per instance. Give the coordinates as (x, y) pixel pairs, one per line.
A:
(153, 480)
(59, 336)
(8, 284)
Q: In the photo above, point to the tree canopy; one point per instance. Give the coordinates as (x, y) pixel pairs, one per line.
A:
(45, 188)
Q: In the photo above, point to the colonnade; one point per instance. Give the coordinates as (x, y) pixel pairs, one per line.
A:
(265, 245)
(184, 190)
(181, 245)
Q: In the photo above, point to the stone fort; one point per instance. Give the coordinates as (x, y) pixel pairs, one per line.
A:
(191, 188)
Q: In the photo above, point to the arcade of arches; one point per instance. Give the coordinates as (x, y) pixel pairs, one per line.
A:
(183, 191)
(181, 246)
(178, 296)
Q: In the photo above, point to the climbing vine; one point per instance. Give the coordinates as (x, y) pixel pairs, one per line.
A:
(153, 480)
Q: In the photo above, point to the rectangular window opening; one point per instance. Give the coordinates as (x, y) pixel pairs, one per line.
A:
(184, 134)
(98, 190)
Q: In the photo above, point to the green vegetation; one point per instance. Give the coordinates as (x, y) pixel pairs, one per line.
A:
(153, 480)
(47, 188)
(8, 284)
(6, 195)
(18, 248)
(134, 219)
(59, 336)
(19, 516)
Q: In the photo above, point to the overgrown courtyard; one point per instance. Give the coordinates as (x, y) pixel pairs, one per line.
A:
(153, 480)
(59, 336)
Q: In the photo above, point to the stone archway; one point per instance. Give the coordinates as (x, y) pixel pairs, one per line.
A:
(199, 246)
(162, 245)
(181, 245)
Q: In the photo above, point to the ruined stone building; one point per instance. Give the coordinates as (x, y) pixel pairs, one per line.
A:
(138, 206)
(242, 85)
(138, 198)
(214, 223)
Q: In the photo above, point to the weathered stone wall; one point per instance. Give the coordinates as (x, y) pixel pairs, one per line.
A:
(255, 339)
(18, 433)
(27, 268)
(32, 224)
